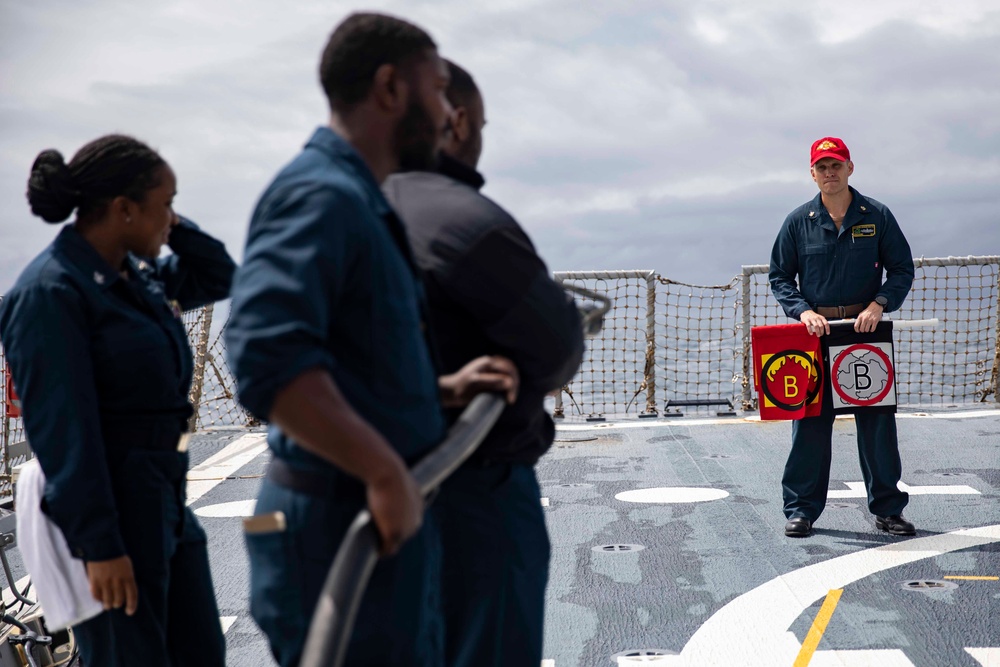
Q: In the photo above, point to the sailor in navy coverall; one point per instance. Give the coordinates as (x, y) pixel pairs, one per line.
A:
(100, 357)
(490, 293)
(838, 245)
(327, 341)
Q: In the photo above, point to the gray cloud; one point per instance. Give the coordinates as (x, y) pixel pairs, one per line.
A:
(645, 136)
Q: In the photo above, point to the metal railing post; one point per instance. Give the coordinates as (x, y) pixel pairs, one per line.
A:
(557, 410)
(4, 417)
(649, 370)
(995, 379)
(200, 356)
(6, 477)
(747, 365)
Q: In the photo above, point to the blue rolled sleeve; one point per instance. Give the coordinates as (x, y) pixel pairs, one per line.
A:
(199, 271)
(293, 273)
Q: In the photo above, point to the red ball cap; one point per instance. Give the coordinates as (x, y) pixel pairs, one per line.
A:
(828, 147)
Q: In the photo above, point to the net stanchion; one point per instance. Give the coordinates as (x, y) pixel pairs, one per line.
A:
(213, 389)
(198, 324)
(995, 375)
(612, 377)
(219, 405)
(757, 307)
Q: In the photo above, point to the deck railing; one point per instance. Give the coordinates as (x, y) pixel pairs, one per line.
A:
(669, 346)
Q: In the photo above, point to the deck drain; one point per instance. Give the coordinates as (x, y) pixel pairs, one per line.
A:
(617, 548)
(953, 474)
(586, 438)
(575, 485)
(924, 585)
(842, 506)
(718, 456)
(641, 656)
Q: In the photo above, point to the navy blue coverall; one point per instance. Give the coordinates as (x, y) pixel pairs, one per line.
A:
(490, 293)
(328, 282)
(841, 269)
(103, 368)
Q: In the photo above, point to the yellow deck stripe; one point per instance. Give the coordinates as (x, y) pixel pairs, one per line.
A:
(818, 628)
(973, 578)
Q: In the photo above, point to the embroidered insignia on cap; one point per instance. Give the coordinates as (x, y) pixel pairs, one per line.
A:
(826, 145)
(98, 277)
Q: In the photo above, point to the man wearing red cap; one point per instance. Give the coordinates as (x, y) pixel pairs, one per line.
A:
(838, 246)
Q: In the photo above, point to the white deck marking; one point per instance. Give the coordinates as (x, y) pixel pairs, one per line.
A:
(857, 490)
(545, 502)
(207, 475)
(240, 508)
(752, 630)
(987, 657)
(548, 663)
(861, 658)
(227, 622)
(672, 494)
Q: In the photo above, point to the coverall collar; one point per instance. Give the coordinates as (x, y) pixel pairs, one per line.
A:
(326, 140)
(858, 208)
(85, 257)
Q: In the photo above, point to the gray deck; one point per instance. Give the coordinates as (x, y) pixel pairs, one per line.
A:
(700, 558)
(717, 581)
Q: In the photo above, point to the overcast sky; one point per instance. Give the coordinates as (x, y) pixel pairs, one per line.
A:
(638, 134)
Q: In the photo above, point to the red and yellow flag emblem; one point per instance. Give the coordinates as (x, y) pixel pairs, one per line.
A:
(788, 371)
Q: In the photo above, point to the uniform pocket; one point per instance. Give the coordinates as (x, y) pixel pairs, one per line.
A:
(274, 586)
(864, 245)
(815, 265)
(864, 254)
(817, 248)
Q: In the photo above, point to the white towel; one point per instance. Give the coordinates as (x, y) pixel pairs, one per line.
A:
(60, 581)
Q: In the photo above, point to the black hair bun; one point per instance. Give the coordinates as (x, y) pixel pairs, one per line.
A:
(51, 192)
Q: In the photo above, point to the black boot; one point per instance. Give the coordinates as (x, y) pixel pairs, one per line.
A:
(895, 525)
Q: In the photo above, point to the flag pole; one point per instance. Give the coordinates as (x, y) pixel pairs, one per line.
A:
(932, 323)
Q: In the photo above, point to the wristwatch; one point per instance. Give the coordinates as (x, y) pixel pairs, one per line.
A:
(881, 300)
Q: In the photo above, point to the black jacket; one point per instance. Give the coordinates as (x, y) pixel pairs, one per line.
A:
(489, 293)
